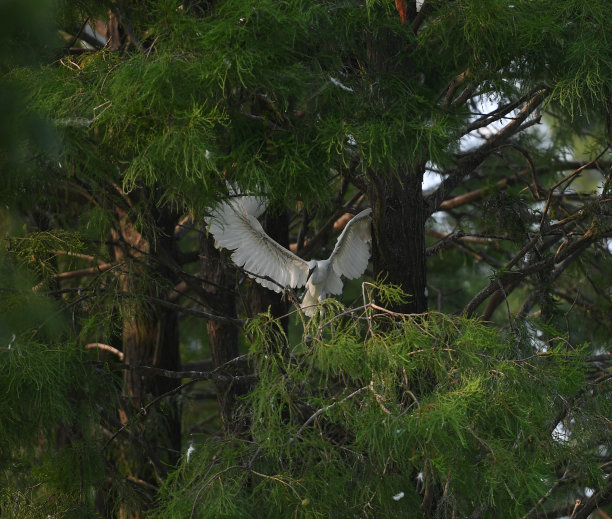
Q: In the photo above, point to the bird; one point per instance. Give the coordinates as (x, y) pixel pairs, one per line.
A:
(235, 227)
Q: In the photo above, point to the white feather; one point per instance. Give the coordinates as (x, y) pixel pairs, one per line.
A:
(235, 227)
(352, 251)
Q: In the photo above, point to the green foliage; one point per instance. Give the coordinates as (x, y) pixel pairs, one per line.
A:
(285, 97)
(35, 250)
(21, 309)
(369, 406)
(50, 450)
(27, 38)
(51, 457)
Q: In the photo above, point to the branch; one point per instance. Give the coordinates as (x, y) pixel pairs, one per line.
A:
(184, 226)
(195, 313)
(585, 508)
(154, 300)
(494, 284)
(566, 179)
(90, 271)
(195, 376)
(470, 161)
(119, 12)
(530, 301)
(478, 194)
(328, 407)
(460, 239)
(426, 8)
(451, 88)
(467, 93)
(495, 115)
(216, 374)
(510, 279)
(106, 347)
(544, 498)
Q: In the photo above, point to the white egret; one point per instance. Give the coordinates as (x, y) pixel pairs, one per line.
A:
(235, 227)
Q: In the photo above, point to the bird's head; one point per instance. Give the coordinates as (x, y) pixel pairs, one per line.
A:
(317, 271)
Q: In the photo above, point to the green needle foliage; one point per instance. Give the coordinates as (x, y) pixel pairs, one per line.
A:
(112, 155)
(51, 449)
(371, 411)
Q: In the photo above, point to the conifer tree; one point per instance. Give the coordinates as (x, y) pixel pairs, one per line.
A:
(471, 378)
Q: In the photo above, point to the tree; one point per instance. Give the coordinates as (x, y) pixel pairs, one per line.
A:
(323, 108)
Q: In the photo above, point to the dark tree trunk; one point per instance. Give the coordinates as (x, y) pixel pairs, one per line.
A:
(150, 338)
(218, 287)
(398, 241)
(398, 252)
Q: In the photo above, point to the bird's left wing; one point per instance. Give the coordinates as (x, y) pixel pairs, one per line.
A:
(235, 227)
(352, 251)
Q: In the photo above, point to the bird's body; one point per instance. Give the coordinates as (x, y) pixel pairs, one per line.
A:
(235, 227)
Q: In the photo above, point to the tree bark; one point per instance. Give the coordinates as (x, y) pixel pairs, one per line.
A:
(150, 338)
(218, 288)
(398, 240)
(398, 221)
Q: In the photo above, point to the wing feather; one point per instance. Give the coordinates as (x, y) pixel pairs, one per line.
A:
(236, 228)
(352, 251)
(333, 283)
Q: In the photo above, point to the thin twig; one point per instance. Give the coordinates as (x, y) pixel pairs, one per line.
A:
(327, 408)
(565, 179)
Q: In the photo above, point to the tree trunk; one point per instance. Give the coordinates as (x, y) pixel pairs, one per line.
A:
(218, 286)
(398, 241)
(150, 338)
(398, 252)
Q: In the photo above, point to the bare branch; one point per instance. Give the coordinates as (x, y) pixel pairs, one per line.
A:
(470, 161)
(509, 279)
(566, 179)
(328, 407)
(192, 311)
(586, 507)
(105, 347)
(216, 374)
(495, 115)
(451, 88)
(90, 271)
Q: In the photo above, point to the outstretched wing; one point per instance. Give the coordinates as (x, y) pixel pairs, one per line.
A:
(235, 227)
(352, 251)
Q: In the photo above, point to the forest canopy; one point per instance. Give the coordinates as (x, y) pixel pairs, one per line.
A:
(465, 374)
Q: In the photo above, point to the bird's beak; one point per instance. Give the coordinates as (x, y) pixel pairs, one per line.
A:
(310, 273)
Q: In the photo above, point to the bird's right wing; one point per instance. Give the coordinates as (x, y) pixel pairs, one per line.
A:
(235, 227)
(352, 251)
